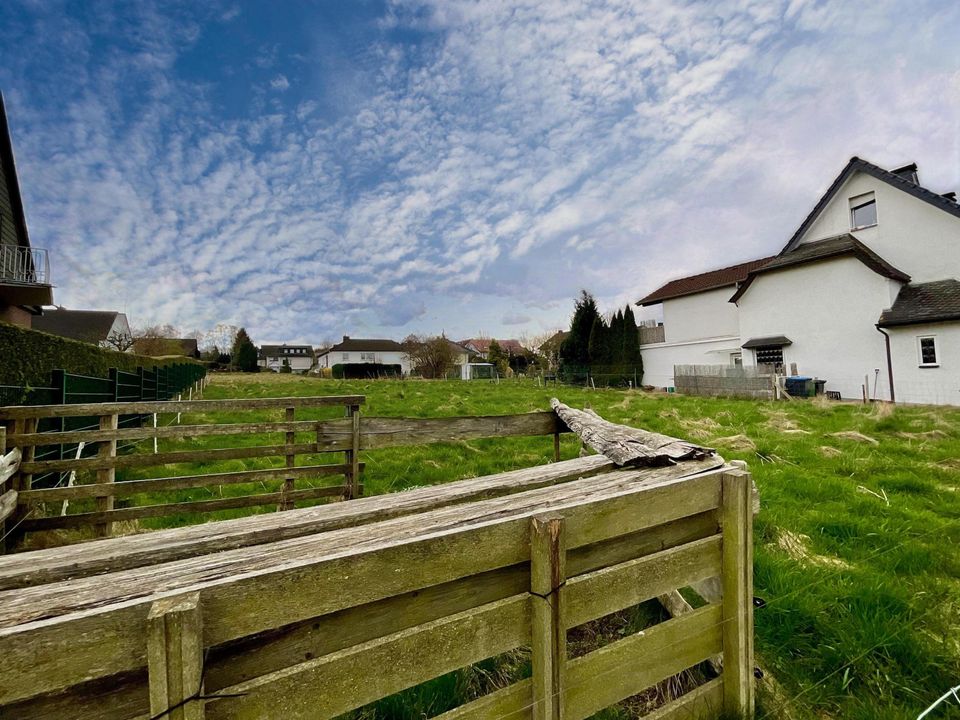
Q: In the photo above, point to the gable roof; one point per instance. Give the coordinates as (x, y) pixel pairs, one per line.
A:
(711, 280)
(826, 249)
(8, 167)
(350, 344)
(482, 345)
(898, 181)
(274, 350)
(86, 325)
(937, 301)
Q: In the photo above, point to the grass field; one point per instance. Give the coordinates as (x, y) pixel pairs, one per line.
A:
(857, 542)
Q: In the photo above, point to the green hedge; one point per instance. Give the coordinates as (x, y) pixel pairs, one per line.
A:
(365, 371)
(28, 356)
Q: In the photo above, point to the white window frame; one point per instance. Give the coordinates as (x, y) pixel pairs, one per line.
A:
(858, 202)
(368, 357)
(936, 351)
(346, 356)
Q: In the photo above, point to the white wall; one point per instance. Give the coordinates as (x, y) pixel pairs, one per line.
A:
(935, 385)
(829, 310)
(912, 235)
(707, 314)
(298, 363)
(659, 358)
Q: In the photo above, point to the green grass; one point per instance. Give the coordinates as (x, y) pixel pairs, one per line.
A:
(856, 544)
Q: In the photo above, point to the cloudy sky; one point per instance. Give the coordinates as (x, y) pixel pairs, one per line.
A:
(309, 169)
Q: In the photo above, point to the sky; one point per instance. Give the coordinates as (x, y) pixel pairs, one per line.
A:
(376, 169)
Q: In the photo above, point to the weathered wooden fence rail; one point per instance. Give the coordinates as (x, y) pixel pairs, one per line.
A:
(313, 626)
(298, 438)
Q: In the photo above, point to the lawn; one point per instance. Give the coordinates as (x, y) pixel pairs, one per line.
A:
(857, 543)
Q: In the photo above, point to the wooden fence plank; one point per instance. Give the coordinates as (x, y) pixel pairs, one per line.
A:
(620, 586)
(106, 451)
(126, 488)
(737, 603)
(290, 461)
(626, 667)
(167, 431)
(334, 684)
(175, 657)
(702, 703)
(197, 506)
(17, 412)
(513, 702)
(548, 641)
(10, 464)
(44, 566)
(8, 503)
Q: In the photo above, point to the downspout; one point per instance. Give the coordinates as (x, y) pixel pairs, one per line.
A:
(886, 337)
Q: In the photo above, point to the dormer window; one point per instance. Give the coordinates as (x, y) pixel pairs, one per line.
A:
(863, 212)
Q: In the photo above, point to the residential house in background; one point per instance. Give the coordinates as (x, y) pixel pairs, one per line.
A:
(481, 346)
(274, 357)
(24, 271)
(362, 350)
(99, 327)
(865, 295)
(462, 355)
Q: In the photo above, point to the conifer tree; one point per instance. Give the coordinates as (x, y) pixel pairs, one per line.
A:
(244, 354)
(575, 350)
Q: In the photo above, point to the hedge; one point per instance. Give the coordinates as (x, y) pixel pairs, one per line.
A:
(365, 371)
(28, 356)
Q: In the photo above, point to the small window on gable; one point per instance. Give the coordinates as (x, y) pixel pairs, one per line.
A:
(863, 211)
(927, 347)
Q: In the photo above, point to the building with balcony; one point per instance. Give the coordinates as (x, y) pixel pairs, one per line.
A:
(24, 271)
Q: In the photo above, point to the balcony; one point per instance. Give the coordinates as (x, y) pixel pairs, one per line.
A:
(25, 276)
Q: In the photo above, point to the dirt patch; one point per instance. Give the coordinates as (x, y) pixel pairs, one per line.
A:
(830, 452)
(796, 545)
(855, 437)
(736, 442)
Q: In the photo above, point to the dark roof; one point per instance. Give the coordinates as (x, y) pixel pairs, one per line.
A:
(775, 340)
(711, 280)
(274, 350)
(825, 249)
(13, 183)
(924, 303)
(901, 182)
(86, 325)
(458, 348)
(350, 344)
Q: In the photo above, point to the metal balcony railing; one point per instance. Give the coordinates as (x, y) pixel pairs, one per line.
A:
(28, 266)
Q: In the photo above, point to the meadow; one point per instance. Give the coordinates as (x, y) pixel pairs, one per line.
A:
(857, 557)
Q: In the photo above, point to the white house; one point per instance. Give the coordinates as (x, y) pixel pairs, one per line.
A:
(274, 357)
(865, 291)
(357, 350)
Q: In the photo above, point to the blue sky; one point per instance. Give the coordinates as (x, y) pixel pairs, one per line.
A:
(381, 168)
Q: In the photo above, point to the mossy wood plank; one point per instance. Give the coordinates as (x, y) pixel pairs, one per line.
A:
(329, 686)
(166, 458)
(196, 506)
(52, 565)
(620, 586)
(737, 580)
(17, 412)
(8, 503)
(10, 464)
(175, 658)
(513, 702)
(702, 703)
(629, 666)
(248, 590)
(167, 431)
(107, 451)
(548, 641)
(127, 488)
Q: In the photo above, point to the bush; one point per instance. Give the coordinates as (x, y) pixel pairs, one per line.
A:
(28, 357)
(365, 371)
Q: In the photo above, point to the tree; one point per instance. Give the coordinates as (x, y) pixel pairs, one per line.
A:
(120, 341)
(156, 341)
(598, 348)
(243, 356)
(430, 357)
(499, 357)
(575, 349)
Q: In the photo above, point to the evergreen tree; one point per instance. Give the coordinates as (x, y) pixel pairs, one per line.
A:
(498, 356)
(244, 353)
(575, 350)
(632, 345)
(598, 347)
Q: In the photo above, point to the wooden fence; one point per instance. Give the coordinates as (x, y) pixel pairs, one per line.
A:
(317, 625)
(755, 382)
(301, 438)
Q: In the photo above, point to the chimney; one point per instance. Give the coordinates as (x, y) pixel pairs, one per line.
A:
(345, 338)
(908, 173)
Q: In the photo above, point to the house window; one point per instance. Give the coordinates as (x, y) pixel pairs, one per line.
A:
(863, 211)
(346, 356)
(927, 347)
(770, 355)
(368, 357)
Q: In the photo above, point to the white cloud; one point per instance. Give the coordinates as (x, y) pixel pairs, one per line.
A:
(280, 82)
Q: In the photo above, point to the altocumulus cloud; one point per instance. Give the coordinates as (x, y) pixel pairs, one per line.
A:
(449, 165)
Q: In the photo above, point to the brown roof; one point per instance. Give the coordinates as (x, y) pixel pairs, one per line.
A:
(711, 280)
(925, 302)
(350, 344)
(482, 345)
(827, 249)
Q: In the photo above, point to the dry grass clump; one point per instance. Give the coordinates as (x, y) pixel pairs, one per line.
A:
(671, 413)
(780, 422)
(882, 410)
(796, 546)
(855, 437)
(736, 442)
(830, 452)
(928, 435)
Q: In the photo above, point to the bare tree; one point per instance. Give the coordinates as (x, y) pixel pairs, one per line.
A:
(156, 341)
(121, 341)
(431, 357)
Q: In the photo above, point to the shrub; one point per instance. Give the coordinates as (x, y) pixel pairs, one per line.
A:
(365, 371)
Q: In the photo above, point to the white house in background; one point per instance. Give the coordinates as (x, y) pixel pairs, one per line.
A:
(274, 357)
(868, 287)
(357, 350)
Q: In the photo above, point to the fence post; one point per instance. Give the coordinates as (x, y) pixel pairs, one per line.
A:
(548, 642)
(352, 456)
(175, 657)
(285, 503)
(106, 449)
(737, 604)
